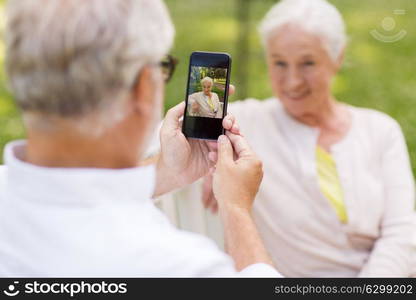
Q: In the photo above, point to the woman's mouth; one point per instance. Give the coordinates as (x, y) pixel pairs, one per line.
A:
(297, 97)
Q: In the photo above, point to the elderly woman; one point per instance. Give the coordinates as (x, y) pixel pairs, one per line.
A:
(337, 196)
(205, 103)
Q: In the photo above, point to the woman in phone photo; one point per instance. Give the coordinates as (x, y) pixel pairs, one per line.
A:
(205, 103)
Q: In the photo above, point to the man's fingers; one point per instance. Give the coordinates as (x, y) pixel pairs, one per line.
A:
(230, 123)
(231, 89)
(212, 146)
(225, 150)
(240, 145)
(235, 129)
(173, 116)
(213, 157)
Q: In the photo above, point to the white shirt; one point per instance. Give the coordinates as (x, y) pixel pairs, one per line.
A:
(298, 224)
(74, 222)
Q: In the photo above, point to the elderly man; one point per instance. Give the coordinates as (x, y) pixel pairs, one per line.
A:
(74, 200)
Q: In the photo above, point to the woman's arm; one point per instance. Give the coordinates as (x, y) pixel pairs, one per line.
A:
(392, 252)
(216, 99)
(195, 107)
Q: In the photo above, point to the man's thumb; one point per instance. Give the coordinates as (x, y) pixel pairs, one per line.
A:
(225, 150)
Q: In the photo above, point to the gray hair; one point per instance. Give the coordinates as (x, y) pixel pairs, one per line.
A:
(207, 79)
(315, 16)
(67, 59)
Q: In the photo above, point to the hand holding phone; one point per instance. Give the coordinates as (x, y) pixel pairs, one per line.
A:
(238, 173)
(181, 160)
(206, 95)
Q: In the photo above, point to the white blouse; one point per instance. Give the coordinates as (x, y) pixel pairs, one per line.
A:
(205, 110)
(298, 224)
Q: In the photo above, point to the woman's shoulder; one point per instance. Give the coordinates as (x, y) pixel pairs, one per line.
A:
(375, 123)
(252, 105)
(252, 114)
(373, 117)
(2, 179)
(215, 95)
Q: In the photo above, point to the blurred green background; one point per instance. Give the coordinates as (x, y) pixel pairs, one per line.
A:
(376, 74)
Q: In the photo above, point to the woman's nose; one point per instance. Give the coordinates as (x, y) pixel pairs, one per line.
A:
(294, 80)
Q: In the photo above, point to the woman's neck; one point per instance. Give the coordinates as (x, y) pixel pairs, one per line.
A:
(324, 116)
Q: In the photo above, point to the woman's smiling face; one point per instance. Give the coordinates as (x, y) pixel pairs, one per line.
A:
(300, 70)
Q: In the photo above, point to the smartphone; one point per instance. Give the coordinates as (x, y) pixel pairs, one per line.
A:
(206, 95)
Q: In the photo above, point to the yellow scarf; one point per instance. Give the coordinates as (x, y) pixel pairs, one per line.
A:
(211, 104)
(329, 182)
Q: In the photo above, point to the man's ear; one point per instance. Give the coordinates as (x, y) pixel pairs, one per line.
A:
(340, 60)
(142, 92)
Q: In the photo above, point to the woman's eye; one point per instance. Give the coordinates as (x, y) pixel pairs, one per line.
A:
(280, 63)
(309, 63)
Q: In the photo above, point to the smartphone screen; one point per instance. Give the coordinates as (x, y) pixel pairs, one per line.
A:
(206, 95)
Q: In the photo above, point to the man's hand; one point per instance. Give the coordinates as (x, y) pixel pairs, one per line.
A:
(237, 178)
(208, 198)
(183, 161)
(236, 181)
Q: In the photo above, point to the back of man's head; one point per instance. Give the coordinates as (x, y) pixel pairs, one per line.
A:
(70, 58)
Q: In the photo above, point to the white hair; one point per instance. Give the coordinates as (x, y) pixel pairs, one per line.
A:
(75, 58)
(207, 79)
(315, 16)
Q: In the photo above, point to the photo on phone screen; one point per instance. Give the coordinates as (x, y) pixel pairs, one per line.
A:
(207, 94)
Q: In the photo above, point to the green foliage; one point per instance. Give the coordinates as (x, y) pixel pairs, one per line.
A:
(375, 74)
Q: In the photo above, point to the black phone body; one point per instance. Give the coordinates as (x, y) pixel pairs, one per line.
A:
(206, 95)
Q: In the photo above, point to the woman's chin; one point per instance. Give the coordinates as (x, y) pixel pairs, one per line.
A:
(296, 103)
(297, 109)
(297, 100)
